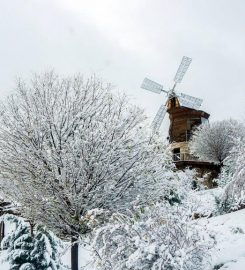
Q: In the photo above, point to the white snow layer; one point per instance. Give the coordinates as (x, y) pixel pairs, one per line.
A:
(229, 232)
(228, 253)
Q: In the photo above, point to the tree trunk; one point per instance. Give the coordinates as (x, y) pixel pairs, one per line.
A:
(74, 253)
(2, 231)
(32, 228)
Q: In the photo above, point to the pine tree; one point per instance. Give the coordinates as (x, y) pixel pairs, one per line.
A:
(28, 250)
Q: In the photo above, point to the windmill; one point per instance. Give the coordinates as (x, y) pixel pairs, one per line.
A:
(185, 116)
(183, 100)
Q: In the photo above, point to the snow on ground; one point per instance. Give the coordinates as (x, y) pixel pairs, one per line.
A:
(84, 258)
(228, 254)
(3, 265)
(229, 232)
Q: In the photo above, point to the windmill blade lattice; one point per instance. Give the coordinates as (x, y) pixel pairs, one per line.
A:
(156, 123)
(184, 100)
(184, 65)
(152, 86)
(189, 101)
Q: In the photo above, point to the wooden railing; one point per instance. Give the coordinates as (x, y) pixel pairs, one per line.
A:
(183, 156)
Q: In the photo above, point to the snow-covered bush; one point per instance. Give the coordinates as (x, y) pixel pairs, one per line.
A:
(162, 237)
(233, 197)
(198, 201)
(27, 250)
(180, 184)
(214, 142)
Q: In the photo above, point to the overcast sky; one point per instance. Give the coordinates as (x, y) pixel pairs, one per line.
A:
(124, 41)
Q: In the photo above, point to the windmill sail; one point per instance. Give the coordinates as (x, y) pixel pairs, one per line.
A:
(152, 86)
(156, 123)
(184, 100)
(189, 101)
(184, 65)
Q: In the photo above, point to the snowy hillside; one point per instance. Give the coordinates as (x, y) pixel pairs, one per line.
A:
(228, 254)
(229, 232)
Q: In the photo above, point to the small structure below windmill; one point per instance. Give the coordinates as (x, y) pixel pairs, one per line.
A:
(184, 116)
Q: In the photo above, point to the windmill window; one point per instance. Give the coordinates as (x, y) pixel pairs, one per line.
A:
(176, 154)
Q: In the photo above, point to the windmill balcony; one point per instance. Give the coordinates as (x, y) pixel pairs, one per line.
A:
(184, 156)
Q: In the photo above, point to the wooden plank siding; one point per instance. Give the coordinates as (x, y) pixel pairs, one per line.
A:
(183, 121)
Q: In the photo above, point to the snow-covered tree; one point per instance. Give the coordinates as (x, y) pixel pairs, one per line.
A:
(161, 238)
(214, 142)
(27, 250)
(67, 146)
(233, 175)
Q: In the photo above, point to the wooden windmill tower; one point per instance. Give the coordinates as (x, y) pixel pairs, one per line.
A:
(184, 116)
